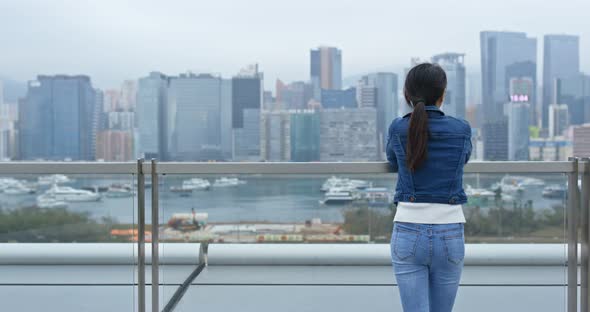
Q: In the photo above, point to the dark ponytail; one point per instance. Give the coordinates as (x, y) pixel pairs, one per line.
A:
(425, 85)
(417, 136)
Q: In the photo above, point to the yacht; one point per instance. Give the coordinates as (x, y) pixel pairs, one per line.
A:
(513, 184)
(337, 197)
(194, 184)
(69, 194)
(18, 189)
(225, 182)
(48, 202)
(335, 182)
(377, 196)
(555, 191)
(478, 192)
(53, 179)
(118, 191)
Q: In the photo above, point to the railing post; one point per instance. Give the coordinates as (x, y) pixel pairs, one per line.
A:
(585, 225)
(140, 237)
(572, 238)
(155, 239)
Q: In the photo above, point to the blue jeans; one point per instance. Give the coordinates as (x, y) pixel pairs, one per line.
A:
(428, 261)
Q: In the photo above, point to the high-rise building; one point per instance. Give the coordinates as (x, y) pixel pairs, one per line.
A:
(151, 117)
(276, 135)
(455, 98)
(120, 120)
(295, 95)
(518, 114)
(386, 103)
(495, 140)
(305, 136)
(339, 98)
(504, 55)
(56, 119)
(114, 145)
(8, 131)
(128, 95)
(195, 103)
(561, 59)
(325, 70)
(246, 107)
(582, 141)
(550, 149)
(558, 119)
(111, 100)
(226, 119)
(366, 94)
(348, 134)
(575, 92)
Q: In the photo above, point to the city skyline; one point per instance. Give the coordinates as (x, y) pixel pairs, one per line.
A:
(108, 44)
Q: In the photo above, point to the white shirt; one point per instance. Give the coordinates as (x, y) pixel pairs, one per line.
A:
(429, 213)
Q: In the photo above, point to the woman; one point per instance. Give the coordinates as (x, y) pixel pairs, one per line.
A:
(429, 150)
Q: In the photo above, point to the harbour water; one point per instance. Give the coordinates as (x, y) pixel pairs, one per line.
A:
(261, 199)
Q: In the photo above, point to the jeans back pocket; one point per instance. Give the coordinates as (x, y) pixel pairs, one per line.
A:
(404, 244)
(455, 248)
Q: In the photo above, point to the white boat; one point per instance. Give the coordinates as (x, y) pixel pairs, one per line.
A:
(18, 189)
(225, 182)
(338, 197)
(194, 184)
(335, 182)
(47, 202)
(118, 191)
(377, 196)
(53, 179)
(555, 191)
(514, 184)
(478, 192)
(69, 194)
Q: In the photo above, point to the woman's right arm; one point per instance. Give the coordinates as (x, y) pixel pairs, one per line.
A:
(389, 151)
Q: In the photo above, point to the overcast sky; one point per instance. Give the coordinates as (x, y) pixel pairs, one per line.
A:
(113, 40)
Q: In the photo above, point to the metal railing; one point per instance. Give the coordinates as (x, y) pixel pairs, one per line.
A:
(577, 209)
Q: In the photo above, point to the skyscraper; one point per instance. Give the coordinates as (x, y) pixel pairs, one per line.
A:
(151, 116)
(453, 64)
(558, 119)
(196, 130)
(276, 135)
(582, 141)
(305, 135)
(325, 70)
(114, 145)
(386, 102)
(517, 111)
(574, 91)
(226, 119)
(295, 95)
(348, 134)
(561, 59)
(504, 55)
(246, 107)
(339, 98)
(56, 119)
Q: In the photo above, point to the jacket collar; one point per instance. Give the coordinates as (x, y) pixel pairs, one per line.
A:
(429, 108)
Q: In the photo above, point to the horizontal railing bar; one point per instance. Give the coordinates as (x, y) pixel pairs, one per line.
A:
(266, 254)
(18, 167)
(269, 167)
(351, 167)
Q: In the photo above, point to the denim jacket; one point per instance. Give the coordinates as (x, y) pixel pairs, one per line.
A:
(440, 177)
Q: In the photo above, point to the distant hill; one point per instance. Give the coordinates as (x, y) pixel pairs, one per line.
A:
(13, 90)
